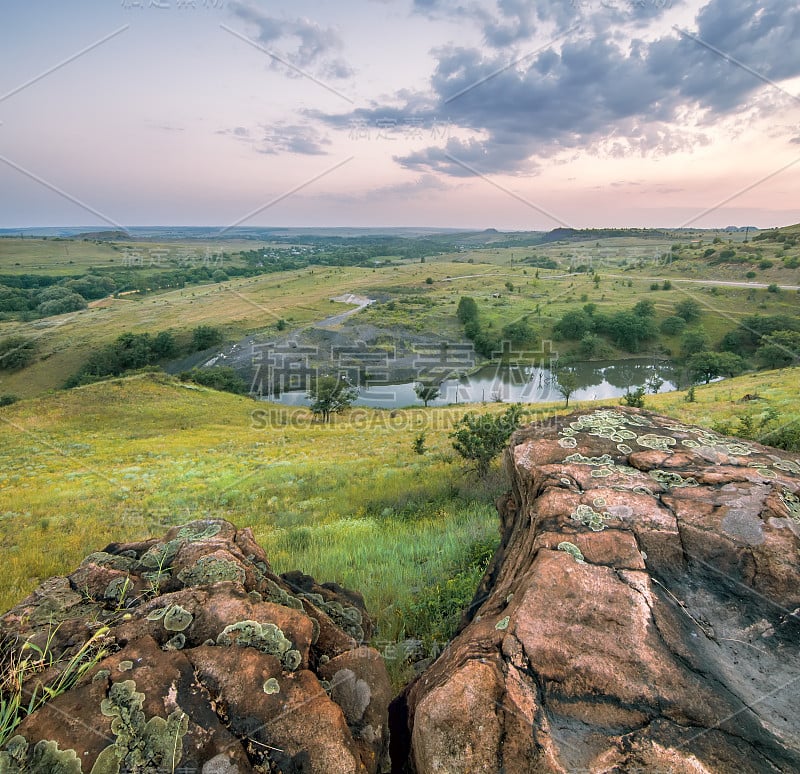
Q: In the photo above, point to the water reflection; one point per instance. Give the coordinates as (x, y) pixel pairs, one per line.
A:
(522, 384)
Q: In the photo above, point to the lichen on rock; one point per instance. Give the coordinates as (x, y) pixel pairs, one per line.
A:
(140, 746)
(266, 637)
(211, 569)
(44, 758)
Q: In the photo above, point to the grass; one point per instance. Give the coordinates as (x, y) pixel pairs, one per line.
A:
(20, 664)
(124, 459)
(349, 501)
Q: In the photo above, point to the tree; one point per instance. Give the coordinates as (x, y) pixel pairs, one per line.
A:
(694, 342)
(644, 308)
(426, 392)
(705, 366)
(479, 438)
(331, 395)
(518, 332)
(164, 345)
(777, 350)
(567, 383)
(467, 310)
(221, 378)
(629, 331)
(573, 325)
(671, 326)
(689, 309)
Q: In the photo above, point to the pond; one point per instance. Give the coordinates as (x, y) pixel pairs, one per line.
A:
(597, 380)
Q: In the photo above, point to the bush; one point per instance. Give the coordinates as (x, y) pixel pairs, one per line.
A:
(205, 337)
(16, 352)
(69, 302)
(8, 399)
(633, 399)
(221, 378)
(773, 288)
(479, 438)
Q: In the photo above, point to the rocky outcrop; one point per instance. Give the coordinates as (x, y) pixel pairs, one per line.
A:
(641, 613)
(202, 660)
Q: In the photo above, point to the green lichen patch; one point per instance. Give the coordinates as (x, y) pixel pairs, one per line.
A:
(44, 758)
(502, 624)
(200, 530)
(572, 550)
(177, 619)
(792, 503)
(275, 594)
(345, 617)
(787, 466)
(211, 569)
(266, 637)
(118, 589)
(590, 518)
(125, 666)
(657, 442)
(157, 614)
(669, 479)
(115, 562)
(141, 746)
(271, 686)
(175, 643)
(580, 459)
(161, 555)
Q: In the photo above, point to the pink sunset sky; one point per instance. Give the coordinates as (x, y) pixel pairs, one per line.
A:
(441, 113)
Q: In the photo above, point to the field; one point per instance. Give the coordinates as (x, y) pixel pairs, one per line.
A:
(350, 501)
(415, 296)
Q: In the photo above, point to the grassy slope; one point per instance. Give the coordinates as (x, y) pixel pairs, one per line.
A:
(349, 502)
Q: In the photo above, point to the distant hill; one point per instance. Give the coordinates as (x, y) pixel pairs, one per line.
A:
(104, 236)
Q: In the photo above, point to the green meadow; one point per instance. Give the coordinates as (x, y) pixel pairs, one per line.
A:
(349, 501)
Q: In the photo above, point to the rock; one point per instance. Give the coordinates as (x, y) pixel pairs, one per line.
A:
(641, 613)
(206, 662)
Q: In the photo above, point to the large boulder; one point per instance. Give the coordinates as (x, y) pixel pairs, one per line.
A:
(202, 660)
(641, 613)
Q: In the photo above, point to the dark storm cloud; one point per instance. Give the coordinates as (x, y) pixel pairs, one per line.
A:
(597, 92)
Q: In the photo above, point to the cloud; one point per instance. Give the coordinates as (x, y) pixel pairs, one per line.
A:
(305, 43)
(608, 95)
(292, 138)
(281, 137)
(506, 23)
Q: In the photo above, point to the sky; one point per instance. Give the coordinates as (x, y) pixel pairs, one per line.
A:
(471, 114)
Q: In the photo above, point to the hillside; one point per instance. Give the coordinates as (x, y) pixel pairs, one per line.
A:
(349, 501)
